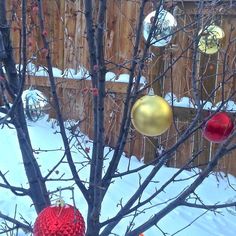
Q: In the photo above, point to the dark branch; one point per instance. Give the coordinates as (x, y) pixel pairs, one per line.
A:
(18, 224)
(19, 191)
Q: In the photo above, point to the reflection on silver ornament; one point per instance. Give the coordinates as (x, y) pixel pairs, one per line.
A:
(35, 104)
(163, 30)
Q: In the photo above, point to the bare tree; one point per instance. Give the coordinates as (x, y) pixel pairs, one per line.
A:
(12, 85)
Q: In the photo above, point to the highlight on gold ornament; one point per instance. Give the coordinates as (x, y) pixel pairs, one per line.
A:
(211, 39)
(163, 29)
(151, 115)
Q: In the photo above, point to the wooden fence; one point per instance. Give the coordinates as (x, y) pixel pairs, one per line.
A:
(76, 103)
(66, 31)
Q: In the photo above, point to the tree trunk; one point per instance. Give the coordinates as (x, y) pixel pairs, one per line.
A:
(38, 190)
(93, 225)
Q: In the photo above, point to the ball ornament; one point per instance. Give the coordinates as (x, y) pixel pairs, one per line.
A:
(151, 115)
(218, 128)
(163, 30)
(210, 39)
(63, 220)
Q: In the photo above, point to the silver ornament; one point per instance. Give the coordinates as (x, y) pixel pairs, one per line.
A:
(163, 30)
(35, 104)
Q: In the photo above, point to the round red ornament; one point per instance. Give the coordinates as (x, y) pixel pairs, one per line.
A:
(59, 221)
(218, 128)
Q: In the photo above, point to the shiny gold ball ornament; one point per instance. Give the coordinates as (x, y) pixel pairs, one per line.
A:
(163, 30)
(151, 115)
(210, 40)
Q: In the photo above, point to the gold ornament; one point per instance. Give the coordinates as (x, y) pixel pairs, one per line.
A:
(151, 115)
(164, 28)
(210, 40)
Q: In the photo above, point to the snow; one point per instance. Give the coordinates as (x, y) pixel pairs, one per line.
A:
(229, 106)
(110, 76)
(81, 73)
(44, 136)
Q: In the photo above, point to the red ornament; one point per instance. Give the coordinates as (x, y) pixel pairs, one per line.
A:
(59, 221)
(218, 128)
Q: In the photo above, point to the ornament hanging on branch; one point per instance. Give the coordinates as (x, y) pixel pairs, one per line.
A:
(64, 220)
(163, 29)
(151, 115)
(35, 104)
(210, 40)
(218, 128)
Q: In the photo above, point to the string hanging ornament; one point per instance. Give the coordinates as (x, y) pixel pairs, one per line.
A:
(151, 115)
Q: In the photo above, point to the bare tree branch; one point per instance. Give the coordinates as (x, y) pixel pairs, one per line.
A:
(18, 224)
(209, 207)
(57, 105)
(19, 191)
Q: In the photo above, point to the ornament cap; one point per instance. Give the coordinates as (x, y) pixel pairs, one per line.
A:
(151, 92)
(60, 203)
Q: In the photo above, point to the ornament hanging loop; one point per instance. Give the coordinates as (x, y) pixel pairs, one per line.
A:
(60, 202)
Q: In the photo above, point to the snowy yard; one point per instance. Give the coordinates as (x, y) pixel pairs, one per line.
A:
(49, 150)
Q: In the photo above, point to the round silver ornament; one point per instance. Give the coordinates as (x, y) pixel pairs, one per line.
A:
(163, 30)
(35, 104)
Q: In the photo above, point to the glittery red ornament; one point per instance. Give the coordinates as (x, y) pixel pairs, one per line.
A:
(59, 221)
(218, 128)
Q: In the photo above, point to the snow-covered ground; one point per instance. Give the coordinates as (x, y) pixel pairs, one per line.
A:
(44, 137)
